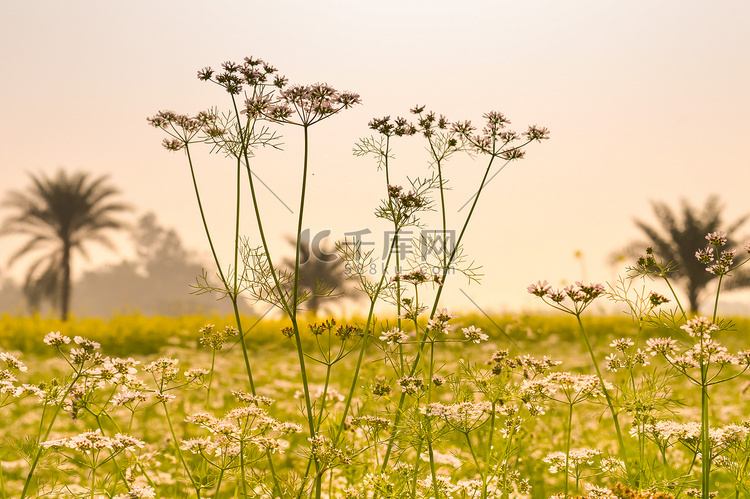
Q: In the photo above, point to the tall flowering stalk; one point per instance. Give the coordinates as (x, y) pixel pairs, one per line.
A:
(574, 300)
(258, 94)
(444, 139)
(704, 353)
(237, 137)
(302, 106)
(570, 389)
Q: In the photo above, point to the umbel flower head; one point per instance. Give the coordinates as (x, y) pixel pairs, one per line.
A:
(251, 72)
(399, 127)
(580, 294)
(182, 128)
(496, 139)
(302, 105)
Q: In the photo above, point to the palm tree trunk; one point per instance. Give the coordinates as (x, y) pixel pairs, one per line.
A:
(693, 300)
(65, 285)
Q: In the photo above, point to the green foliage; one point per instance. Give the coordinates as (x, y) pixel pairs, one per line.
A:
(125, 336)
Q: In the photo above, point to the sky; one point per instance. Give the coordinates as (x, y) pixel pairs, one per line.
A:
(645, 101)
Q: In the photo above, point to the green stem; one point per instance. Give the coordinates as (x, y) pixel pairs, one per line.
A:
(2, 480)
(641, 460)
(218, 482)
(705, 437)
(716, 300)
(567, 447)
(480, 470)
(120, 474)
(674, 295)
(203, 219)
(242, 467)
(46, 435)
(282, 302)
(432, 466)
(363, 347)
(93, 481)
(438, 295)
(488, 452)
(442, 207)
(325, 393)
(179, 451)
(232, 294)
(235, 293)
(295, 295)
(416, 470)
(454, 252)
(623, 452)
(293, 308)
(276, 485)
(211, 378)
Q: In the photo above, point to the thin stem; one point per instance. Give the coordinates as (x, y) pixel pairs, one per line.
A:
(716, 300)
(93, 481)
(454, 252)
(442, 204)
(567, 446)
(480, 469)
(360, 358)
(235, 293)
(623, 452)
(242, 466)
(218, 483)
(325, 393)
(203, 218)
(211, 377)
(432, 466)
(46, 435)
(2, 480)
(417, 462)
(179, 451)
(120, 474)
(276, 485)
(293, 308)
(705, 437)
(232, 294)
(488, 451)
(674, 295)
(295, 295)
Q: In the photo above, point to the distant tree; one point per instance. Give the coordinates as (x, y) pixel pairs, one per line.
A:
(59, 215)
(170, 268)
(321, 272)
(679, 235)
(160, 250)
(157, 281)
(11, 296)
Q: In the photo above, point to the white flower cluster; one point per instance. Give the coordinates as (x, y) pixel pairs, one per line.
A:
(668, 432)
(248, 423)
(576, 459)
(138, 491)
(93, 441)
(394, 337)
(703, 352)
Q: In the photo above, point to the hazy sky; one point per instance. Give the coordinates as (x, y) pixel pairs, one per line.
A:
(644, 100)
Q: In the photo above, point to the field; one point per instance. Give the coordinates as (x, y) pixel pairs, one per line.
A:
(456, 446)
(413, 403)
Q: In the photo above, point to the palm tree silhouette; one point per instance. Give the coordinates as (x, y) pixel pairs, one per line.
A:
(679, 235)
(59, 215)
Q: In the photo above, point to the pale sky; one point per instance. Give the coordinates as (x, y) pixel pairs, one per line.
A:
(644, 101)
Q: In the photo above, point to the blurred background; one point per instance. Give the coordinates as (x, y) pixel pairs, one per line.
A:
(646, 105)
